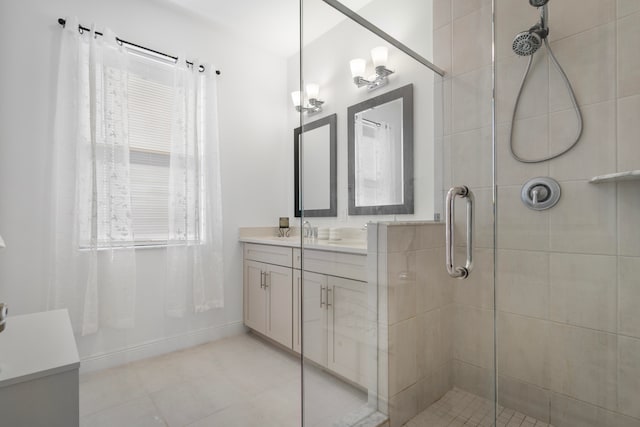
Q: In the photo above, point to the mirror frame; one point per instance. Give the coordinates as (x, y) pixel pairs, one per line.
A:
(333, 167)
(406, 94)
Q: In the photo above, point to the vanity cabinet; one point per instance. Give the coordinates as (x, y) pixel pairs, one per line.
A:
(334, 312)
(268, 293)
(328, 299)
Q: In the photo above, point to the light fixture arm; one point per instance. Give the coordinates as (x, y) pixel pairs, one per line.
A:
(312, 105)
(358, 66)
(382, 74)
(315, 106)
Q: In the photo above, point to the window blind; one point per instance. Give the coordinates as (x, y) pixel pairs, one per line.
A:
(150, 104)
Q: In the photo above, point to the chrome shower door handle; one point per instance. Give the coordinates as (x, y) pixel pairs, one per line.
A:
(453, 270)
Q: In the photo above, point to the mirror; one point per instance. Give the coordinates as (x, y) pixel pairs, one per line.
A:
(381, 154)
(318, 141)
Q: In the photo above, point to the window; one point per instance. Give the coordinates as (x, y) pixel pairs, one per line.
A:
(150, 104)
(152, 113)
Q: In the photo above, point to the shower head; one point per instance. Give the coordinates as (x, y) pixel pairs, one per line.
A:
(528, 42)
(538, 3)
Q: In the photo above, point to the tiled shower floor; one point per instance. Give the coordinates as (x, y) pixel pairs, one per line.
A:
(460, 408)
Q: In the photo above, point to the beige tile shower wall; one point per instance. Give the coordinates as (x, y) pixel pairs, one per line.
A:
(420, 316)
(568, 322)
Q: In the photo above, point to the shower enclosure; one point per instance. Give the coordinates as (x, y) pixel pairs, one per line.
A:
(542, 323)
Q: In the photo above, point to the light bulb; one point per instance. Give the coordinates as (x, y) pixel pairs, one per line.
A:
(358, 66)
(379, 55)
(296, 97)
(313, 90)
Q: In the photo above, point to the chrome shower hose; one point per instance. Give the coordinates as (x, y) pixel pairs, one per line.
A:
(573, 101)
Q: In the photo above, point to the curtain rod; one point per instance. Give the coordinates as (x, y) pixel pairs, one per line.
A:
(82, 29)
(371, 122)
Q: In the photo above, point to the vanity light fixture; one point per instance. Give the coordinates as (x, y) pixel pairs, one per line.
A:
(313, 104)
(379, 55)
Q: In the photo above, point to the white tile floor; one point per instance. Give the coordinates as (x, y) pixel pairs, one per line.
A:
(239, 381)
(460, 408)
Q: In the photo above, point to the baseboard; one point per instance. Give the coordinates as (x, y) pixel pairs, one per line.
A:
(160, 346)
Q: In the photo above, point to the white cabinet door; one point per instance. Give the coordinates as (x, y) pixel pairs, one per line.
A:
(255, 308)
(314, 317)
(280, 304)
(348, 331)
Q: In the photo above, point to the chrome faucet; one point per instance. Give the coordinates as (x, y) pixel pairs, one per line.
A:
(307, 230)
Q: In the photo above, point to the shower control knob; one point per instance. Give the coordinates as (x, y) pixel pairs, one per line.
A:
(540, 193)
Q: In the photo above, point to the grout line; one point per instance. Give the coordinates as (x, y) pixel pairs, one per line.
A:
(555, 322)
(617, 195)
(614, 20)
(559, 252)
(507, 122)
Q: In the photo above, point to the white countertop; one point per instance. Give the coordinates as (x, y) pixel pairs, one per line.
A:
(36, 345)
(344, 246)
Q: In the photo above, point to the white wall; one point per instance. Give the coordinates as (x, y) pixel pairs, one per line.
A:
(252, 135)
(326, 62)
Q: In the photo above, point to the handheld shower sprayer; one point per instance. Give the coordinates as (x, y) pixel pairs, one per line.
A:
(527, 43)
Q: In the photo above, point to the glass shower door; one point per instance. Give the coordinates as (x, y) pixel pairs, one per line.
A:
(385, 332)
(337, 307)
(462, 38)
(544, 330)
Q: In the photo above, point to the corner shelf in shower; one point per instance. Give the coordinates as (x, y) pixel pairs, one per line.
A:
(617, 177)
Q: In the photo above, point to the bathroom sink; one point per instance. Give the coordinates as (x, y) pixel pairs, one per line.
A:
(356, 244)
(348, 245)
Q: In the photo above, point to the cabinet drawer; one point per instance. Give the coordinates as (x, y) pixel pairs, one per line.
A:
(270, 254)
(338, 264)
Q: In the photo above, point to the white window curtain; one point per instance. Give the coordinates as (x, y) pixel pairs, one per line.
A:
(91, 192)
(194, 253)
